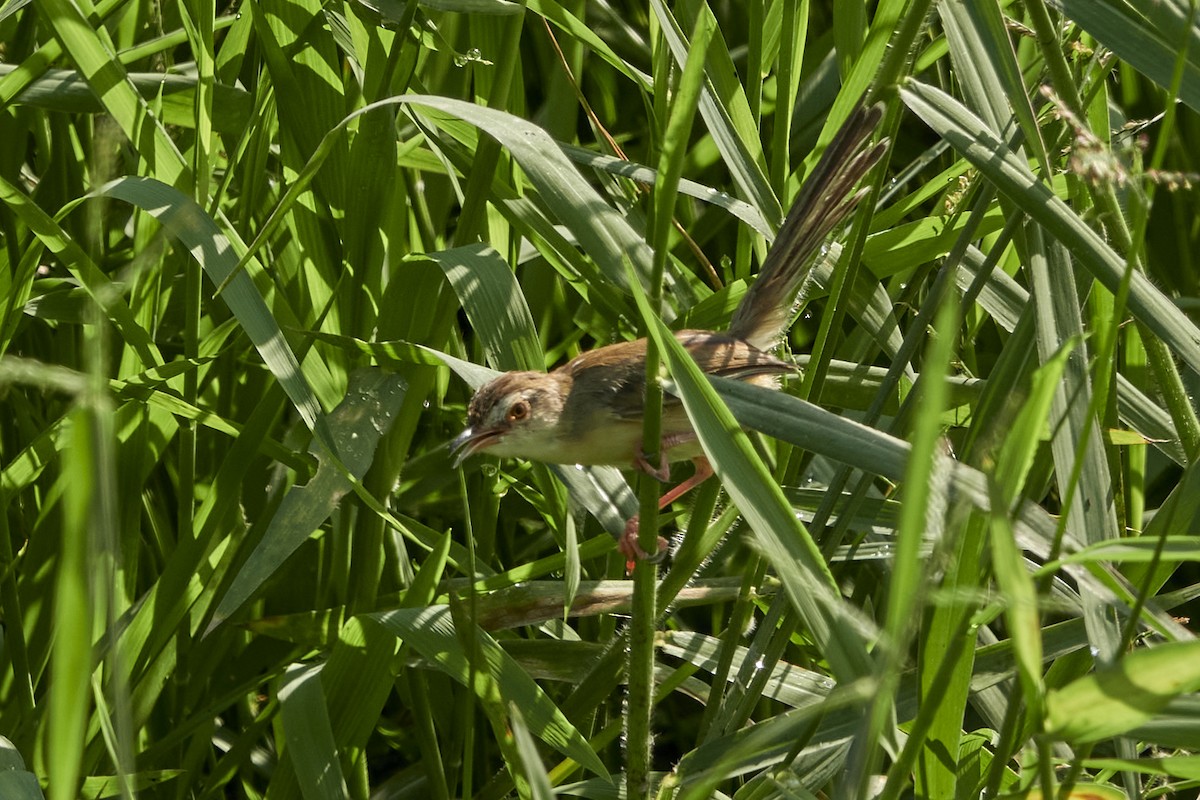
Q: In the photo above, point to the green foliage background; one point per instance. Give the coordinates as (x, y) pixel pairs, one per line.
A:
(255, 257)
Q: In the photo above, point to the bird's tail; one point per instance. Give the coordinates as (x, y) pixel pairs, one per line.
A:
(825, 200)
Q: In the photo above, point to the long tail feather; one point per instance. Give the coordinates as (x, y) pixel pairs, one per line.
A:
(825, 201)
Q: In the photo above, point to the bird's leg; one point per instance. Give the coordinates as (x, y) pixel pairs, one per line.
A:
(628, 544)
(703, 472)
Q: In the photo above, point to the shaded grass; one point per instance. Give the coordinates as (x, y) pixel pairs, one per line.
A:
(237, 562)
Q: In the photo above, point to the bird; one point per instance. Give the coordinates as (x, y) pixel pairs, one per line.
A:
(590, 410)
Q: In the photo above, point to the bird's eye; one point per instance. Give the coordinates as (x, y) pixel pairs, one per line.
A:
(518, 411)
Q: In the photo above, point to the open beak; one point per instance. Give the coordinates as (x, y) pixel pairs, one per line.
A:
(471, 441)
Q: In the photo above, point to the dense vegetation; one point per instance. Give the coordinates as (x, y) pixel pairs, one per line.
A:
(255, 257)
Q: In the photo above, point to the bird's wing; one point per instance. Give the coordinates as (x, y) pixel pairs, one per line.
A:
(613, 378)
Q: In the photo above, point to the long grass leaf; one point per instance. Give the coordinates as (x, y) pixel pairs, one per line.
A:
(431, 632)
(972, 138)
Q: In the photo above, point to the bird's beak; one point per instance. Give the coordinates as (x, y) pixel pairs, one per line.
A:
(471, 441)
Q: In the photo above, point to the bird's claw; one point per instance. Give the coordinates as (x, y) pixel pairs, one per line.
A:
(662, 472)
(633, 552)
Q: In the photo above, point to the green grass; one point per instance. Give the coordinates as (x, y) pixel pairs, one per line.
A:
(256, 258)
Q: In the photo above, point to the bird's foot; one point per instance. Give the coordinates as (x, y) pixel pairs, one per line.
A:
(662, 472)
(633, 552)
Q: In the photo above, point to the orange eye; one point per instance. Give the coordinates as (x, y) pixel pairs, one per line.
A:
(518, 411)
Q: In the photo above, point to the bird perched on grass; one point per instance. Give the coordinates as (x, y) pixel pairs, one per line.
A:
(590, 410)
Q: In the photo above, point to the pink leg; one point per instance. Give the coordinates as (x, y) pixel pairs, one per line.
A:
(628, 544)
(703, 472)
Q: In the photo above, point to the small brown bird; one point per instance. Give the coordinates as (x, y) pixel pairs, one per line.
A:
(589, 411)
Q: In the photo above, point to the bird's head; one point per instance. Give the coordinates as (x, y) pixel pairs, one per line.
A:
(515, 415)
